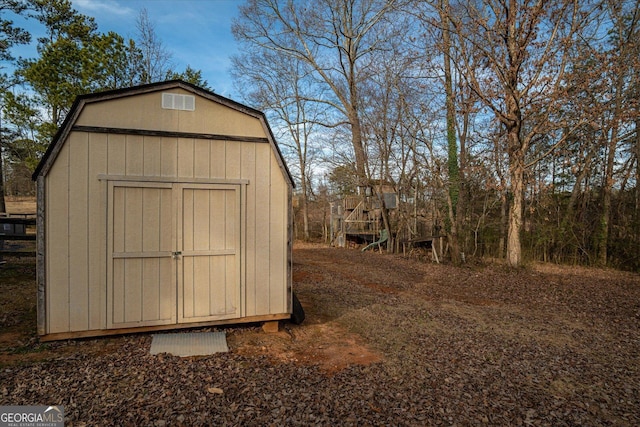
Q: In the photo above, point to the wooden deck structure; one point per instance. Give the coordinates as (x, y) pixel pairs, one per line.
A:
(358, 218)
(14, 227)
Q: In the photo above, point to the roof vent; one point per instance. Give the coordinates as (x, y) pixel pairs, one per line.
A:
(174, 101)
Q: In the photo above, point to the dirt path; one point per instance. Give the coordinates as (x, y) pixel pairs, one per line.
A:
(387, 341)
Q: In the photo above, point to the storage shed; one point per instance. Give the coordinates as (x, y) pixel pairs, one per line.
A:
(161, 206)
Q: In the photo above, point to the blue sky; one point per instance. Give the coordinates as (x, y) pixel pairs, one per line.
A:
(196, 32)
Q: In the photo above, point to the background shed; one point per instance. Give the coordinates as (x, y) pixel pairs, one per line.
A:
(161, 206)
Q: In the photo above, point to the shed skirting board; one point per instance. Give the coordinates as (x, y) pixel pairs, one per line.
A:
(105, 332)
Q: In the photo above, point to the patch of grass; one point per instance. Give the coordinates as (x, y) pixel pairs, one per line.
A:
(31, 347)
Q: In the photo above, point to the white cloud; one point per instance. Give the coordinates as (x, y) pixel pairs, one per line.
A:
(95, 7)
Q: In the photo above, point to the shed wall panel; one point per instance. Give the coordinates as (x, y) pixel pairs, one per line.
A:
(169, 157)
(57, 231)
(152, 161)
(202, 159)
(217, 165)
(277, 240)
(232, 160)
(116, 155)
(262, 217)
(185, 158)
(248, 171)
(134, 155)
(97, 230)
(78, 231)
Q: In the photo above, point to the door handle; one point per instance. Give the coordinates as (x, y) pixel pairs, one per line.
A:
(175, 255)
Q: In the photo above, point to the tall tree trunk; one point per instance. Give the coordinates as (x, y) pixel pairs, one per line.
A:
(304, 206)
(301, 139)
(516, 148)
(602, 233)
(463, 195)
(452, 144)
(504, 207)
(624, 52)
(514, 246)
(358, 146)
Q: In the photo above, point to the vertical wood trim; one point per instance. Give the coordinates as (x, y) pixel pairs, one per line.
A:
(109, 288)
(178, 190)
(242, 250)
(41, 255)
(289, 222)
(239, 258)
(104, 252)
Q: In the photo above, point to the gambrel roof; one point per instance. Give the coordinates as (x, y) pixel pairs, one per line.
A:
(81, 101)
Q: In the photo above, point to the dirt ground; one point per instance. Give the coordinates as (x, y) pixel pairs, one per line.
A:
(386, 341)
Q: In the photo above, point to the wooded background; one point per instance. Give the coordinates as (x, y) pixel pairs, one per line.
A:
(510, 124)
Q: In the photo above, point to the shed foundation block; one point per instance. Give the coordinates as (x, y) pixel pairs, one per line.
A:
(270, 327)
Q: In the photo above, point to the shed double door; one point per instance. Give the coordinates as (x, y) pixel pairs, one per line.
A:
(174, 253)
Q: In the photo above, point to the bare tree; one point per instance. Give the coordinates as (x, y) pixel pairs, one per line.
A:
(513, 54)
(156, 58)
(454, 194)
(336, 38)
(620, 62)
(281, 85)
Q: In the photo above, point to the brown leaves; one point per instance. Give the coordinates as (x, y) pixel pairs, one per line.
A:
(482, 345)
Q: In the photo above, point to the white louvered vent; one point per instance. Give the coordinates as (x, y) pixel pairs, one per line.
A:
(174, 101)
